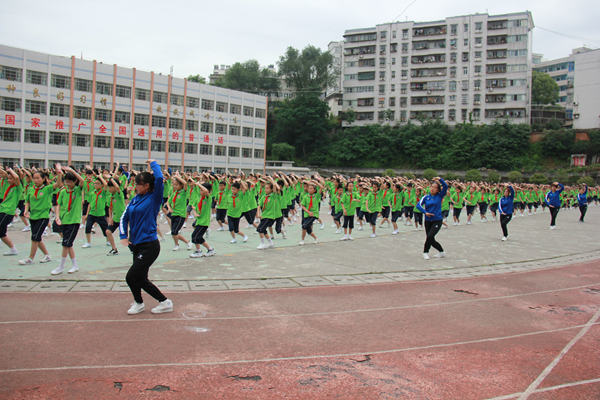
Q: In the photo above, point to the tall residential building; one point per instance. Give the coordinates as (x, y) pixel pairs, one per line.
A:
(473, 67)
(61, 109)
(578, 78)
(333, 93)
(218, 72)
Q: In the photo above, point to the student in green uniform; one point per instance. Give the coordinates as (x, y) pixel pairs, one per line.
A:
(116, 205)
(235, 205)
(177, 210)
(397, 205)
(68, 215)
(269, 210)
(10, 192)
(373, 206)
(445, 210)
(250, 205)
(471, 200)
(336, 204)
(458, 201)
(201, 202)
(221, 197)
(98, 200)
(310, 206)
(349, 202)
(482, 202)
(416, 212)
(38, 202)
(386, 194)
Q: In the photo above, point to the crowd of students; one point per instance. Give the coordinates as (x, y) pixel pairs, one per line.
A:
(62, 201)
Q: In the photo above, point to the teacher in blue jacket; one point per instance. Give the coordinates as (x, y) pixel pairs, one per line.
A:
(553, 201)
(431, 206)
(138, 231)
(505, 208)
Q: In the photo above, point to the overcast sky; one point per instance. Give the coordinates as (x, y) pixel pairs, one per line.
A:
(194, 35)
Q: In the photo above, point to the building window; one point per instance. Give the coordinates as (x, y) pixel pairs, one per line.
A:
(248, 111)
(160, 97)
(206, 127)
(59, 110)
(35, 107)
(82, 112)
(10, 104)
(220, 150)
(122, 116)
(9, 135)
(191, 125)
(60, 81)
(121, 143)
(141, 119)
(157, 145)
(104, 88)
(191, 148)
(235, 109)
(220, 129)
(58, 138)
(10, 73)
(234, 152)
(101, 115)
(259, 133)
(259, 153)
(80, 140)
(246, 153)
(140, 144)
(37, 78)
(176, 99)
(159, 122)
(123, 91)
(175, 123)
(142, 94)
(246, 132)
(101, 142)
(83, 85)
(234, 130)
(478, 26)
(221, 107)
(466, 28)
(208, 105)
(205, 149)
(260, 113)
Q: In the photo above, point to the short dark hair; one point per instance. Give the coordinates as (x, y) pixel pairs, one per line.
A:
(145, 177)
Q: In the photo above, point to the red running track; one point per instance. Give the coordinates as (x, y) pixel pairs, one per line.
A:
(530, 335)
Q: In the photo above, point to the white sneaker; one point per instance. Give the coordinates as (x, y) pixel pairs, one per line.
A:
(283, 235)
(316, 241)
(9, 225)
(338, 231)
(233, 241)
(350, 237)
(360, 228)
(394, 232)
(468, 222)
(46, 259)
(58, 270)
(504, 238)
(73, 269)
(86, 245)
(26, 261)
(136, 308)
(81, 226)
(190, 246)
(196, 254)
(270, 245)
(322, 226)
(108, 244)
(26, 229)
(168, 233)
(245, 239)
(221, 229)
(11, 252)
(553, 227)
(184, 225)
(345, 237)
(175, 248)
(301, 243)
(261, 246)
(426, 256)
(210, 253)
(163, 307)
(440, 255)
(372, 235)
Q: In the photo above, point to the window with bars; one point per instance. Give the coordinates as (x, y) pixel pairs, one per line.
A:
(80, 140)
(208, 105)
(248, 111)
(246, 132)
(58, 138)
(159, 122)
(157, 145)
(11, 73)
(206, 127)
(191, 125)
(176, 99)
(221, 107)
(123, 91)
(9, 135)
(175, 123)
(234, 130)
(60, 81)
(234, 152)
(101, 115)
(259, 133)
(32, 136)
(37, 78)
(101, 142)
(35, 107)
(142, 94)
(205, 149)
(82, 112)
(122, 117)
(10, 104)
(191, 148)
(104, 88)
(174, 147)
(160, 97)
(235, 109)
(192, 102)
(140, 144)
(83, 85)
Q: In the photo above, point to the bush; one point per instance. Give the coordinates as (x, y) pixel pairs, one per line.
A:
(473, 175)
(553, 124)
(588, 180)
(429, 174)
(410, 175)
(389, 172)
(451, 176)
(493, 176)
(539, 179)
(515, 176)
(283, 151)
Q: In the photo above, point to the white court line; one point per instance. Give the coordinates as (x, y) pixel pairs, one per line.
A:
(548, 389)
(534, 385)
(292, 358)
(324, 313)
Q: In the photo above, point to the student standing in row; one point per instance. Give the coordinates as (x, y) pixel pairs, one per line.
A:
(11, 191)
(201, 201)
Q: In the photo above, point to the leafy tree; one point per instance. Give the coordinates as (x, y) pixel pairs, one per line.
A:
(473, 175)
(196, 78)
(283, 151)
(558, 144)
(515, 176)
(429, 173)
(389, 172)
(349, 116)
(308, 71)
(493, 176)
(544, 89)
(249, 77)
(538, 178)
(451, 176)
(588, 180)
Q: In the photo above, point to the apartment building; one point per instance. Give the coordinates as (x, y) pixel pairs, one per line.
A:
(466, 68)
(64, 109)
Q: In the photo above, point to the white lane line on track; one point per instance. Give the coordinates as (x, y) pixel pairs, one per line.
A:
(362, 310)
(548, 389)
(534, 385)
(291, 358)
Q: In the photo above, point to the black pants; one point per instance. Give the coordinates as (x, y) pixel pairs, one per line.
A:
(504, 220)
(278, 224)
(144, 254)
(418, 218)
(582, 210)
(349, 221)
(431, 229)
(308, 223)
(553, 214)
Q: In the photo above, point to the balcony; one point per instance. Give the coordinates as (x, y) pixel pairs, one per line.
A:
(430, 31)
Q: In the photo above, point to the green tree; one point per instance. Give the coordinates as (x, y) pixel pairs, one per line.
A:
(429, 174)
(196, 78)
(544, 89)
(493, 176)
(309, 71)
(538, 178)
(249, 77)
(389, 172)
(515, 176)
(283, 151)
(588, 180)
(558, 144)
(473, 175)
